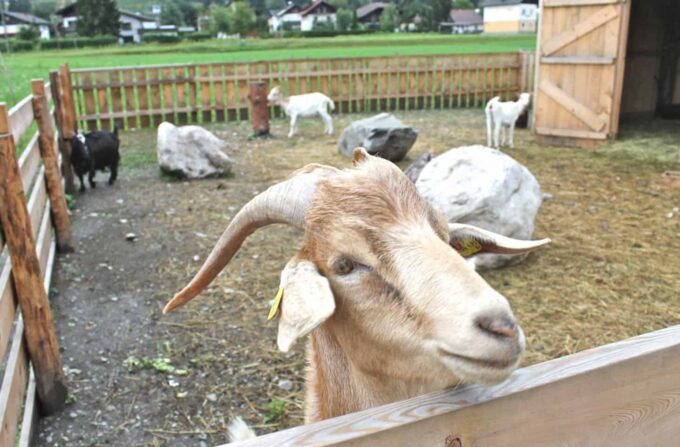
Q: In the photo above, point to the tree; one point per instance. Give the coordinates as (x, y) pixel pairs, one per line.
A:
(389, 19)
(45, 8)
(241, 18)
(190, 12)
(219, 20)
(19, 6)
(97, 17)
(171, 14)
(343, 20)
(440, 10)
(410, 9)
(28, 33)
(462, 4)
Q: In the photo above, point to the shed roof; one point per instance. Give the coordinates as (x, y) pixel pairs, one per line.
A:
(488, 3)
(310, 9)
(26, 18)
(465, 17)
(368, 9)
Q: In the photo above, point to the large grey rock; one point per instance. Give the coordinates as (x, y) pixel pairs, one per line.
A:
(191, 152)
(481, 186)
(415, 168)
(383, 135)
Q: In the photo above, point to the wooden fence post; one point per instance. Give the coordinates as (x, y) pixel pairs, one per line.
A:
(64, 142)
(40, 335)
(55, 190)
(260, 118)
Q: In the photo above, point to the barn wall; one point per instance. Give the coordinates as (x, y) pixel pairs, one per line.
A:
(642, 63)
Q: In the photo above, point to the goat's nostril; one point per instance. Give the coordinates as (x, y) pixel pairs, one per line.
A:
(500, 327)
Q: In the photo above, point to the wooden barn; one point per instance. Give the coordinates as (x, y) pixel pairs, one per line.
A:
(601, 62)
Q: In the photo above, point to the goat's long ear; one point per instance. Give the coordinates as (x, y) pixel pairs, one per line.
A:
(306, 303)
(469, 240)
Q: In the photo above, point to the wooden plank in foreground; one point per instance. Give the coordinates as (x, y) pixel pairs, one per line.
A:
(623, 394)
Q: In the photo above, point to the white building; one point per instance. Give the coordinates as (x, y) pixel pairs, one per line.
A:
(14, 21)
(293, 17)
(132, 25)
(510, 16)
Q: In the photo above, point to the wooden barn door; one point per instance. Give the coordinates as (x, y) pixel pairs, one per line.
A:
(581, 47)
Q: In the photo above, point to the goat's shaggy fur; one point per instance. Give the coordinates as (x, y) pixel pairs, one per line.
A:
(95, 151)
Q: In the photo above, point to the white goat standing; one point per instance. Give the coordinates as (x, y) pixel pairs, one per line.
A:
(304, 106)
(504, 114)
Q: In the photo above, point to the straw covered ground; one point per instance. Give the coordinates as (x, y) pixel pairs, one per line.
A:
(138, 378)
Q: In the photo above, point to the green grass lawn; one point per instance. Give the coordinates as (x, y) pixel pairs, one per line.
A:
(22, 67)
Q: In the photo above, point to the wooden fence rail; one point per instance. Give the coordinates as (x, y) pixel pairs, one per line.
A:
(625, 394)
(32, 374)
(143, 97)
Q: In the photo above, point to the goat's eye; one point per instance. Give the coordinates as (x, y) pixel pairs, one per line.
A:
(343, 266)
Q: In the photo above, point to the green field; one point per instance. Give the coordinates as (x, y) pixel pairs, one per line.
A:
(20, 68)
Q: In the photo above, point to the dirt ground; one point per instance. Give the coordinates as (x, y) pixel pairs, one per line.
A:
(140, 379)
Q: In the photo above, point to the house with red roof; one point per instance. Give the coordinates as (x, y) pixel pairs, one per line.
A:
(303, 18)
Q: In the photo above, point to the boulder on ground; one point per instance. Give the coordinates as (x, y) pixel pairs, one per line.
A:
(415, 168)
(382, 135)
(191, 152)
(481, 186)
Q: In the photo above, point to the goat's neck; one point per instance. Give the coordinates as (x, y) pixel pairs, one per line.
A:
(335, 386)
(284, 103)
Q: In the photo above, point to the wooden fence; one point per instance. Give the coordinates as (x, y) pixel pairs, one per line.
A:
(32, 375)
(625, 394)
(143, 97)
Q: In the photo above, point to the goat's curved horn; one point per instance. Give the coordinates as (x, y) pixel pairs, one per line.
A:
(490, 242)
(285, 202)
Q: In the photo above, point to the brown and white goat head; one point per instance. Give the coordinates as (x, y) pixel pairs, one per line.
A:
(382, 285)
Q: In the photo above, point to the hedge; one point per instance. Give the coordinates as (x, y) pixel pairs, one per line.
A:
(197, 36)
(17, 45)
(78, 42)
(160, 38)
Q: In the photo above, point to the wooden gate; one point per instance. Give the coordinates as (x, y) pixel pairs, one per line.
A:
(581, 48)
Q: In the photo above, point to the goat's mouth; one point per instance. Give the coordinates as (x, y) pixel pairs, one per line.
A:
(479, 362)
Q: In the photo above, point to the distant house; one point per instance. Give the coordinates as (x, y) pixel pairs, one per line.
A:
(132, 25)
(286, 19)
(510, 16)
(304, 18)
(14, 21)
(462, 21)
(369, 14)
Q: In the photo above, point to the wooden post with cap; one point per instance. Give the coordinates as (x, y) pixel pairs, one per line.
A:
(39, 331)
(60, 219)
(260, 118)
(64, 143)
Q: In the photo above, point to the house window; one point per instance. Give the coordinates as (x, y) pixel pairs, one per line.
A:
(126, 26)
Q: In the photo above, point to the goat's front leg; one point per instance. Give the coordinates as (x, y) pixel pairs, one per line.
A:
(90, 176)
(82, 183)
(511, 144)
(502, 135)
(496, 134)
(293, 125)
(114, 173)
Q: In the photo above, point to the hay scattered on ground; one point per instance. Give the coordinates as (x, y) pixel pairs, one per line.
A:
(611, 273)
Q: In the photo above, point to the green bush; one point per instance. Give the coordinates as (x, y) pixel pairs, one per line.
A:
(21, 45)
(197, 36)
(160, 38)
(78, 42)
(31, 33)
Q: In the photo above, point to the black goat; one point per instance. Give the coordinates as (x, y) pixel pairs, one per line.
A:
(95, 151)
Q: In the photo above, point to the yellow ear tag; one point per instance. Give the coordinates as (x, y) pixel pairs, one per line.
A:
(275, 305)
(468, 247)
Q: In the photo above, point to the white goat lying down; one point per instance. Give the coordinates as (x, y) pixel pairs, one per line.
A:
(303, 106)
(503, 114)
(392, 308)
